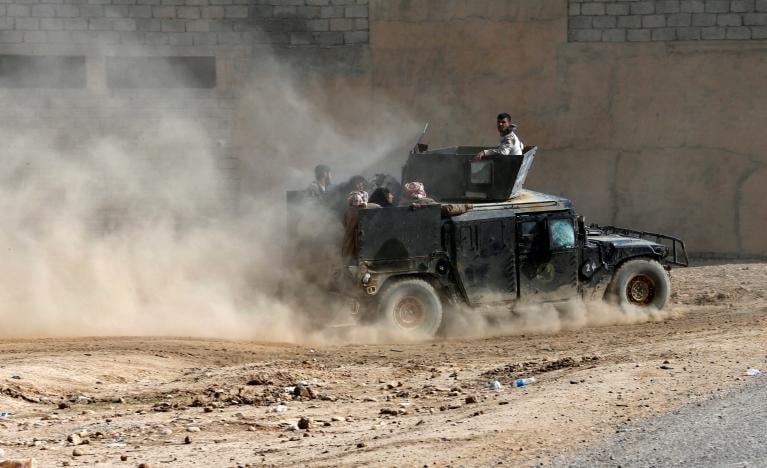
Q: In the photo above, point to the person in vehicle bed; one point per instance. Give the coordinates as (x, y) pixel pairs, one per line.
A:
(382, 196)
(414, 195)
(356, 201)
(321, 183)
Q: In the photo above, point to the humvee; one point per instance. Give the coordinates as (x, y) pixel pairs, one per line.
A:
(515, 246)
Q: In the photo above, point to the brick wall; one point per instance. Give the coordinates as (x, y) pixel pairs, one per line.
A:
(314, 22)
(233, 35)
(666, 20)
(186, 22)
(308, 32)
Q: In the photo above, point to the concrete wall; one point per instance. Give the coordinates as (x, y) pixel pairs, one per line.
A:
(98, 31)
(79, 101)
(663, 136)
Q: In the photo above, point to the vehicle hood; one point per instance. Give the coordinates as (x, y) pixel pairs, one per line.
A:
(629, 243)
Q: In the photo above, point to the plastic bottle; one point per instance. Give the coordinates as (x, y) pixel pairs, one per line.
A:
(521, 382)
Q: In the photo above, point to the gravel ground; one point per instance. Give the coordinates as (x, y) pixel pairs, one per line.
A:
(726, 430)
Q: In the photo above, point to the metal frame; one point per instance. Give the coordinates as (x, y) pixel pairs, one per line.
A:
(678, 250)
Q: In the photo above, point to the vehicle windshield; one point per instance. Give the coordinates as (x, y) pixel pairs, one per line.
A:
(562, 233)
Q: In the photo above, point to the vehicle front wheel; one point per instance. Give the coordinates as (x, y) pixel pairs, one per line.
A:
(410, 308)
(640, 283)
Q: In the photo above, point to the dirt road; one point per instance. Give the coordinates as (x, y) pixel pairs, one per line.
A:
(192, 402)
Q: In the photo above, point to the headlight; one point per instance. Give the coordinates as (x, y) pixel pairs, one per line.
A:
(366, 278)
(357, 270)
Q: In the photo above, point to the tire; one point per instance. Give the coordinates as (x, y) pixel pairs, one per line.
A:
(640, 283)
(410, 308)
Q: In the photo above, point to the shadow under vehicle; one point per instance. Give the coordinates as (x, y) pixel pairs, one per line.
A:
(515, 246)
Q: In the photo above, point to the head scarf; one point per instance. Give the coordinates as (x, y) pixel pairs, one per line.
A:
(357, 198)
(415, 190)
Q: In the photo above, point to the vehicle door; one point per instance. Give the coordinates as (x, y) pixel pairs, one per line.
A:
(547, 257)
(486, 261)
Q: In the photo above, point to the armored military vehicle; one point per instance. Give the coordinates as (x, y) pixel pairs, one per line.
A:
(515, 246)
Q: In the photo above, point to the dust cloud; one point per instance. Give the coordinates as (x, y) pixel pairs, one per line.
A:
(549, 318)
(123, 233)
(107, 241)
(148, 233)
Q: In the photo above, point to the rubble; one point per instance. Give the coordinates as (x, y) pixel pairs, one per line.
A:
(303, 391)
(304, 423)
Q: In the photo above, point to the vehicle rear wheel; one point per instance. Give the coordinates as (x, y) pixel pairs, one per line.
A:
(640, 283)
(410, 308)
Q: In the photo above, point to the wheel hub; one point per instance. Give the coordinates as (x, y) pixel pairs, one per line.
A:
(640, 290)
(409, 312)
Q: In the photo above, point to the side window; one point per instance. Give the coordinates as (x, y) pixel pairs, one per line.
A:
(532, 235)
(562, 233)
(482, 172)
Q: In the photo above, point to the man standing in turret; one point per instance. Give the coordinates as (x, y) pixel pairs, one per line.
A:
(510, 144)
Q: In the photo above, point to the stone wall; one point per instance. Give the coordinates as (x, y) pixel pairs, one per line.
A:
(666, 20)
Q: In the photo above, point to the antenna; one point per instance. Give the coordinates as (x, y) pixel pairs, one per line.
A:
(417, 146)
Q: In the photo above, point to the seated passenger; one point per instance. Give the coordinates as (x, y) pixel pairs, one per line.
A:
(356, 201)
(388, 182)
(359, 184)
(414, 196)
(382, 196)
(319, 186)
(337, 197)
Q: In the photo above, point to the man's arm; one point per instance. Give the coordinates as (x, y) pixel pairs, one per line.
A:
(484, 153)
(510, 146)
(455, 209)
